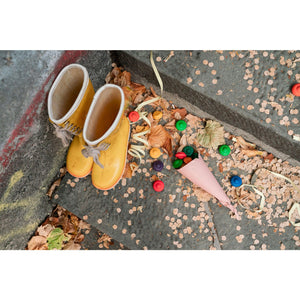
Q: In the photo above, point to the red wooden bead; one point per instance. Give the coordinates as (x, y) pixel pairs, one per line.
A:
(180, 155)
(158, 186)
(134, 116)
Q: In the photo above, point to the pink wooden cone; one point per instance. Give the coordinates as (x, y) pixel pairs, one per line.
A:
(198, 172)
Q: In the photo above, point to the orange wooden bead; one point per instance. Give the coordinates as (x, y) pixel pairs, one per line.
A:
(187, 159)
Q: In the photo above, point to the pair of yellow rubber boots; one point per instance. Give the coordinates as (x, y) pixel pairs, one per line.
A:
(98, 122)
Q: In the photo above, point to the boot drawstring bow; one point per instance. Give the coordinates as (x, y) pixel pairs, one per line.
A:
(90, 151)
(63, 133)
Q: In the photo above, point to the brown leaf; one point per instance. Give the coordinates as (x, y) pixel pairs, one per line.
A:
(220, 167)
(138, 87)
(84, 225)
(127, 172)
(44, 230)
(53, 220)
(124, 79)
(37, 243)
(106, 240)
(140, 128)
(154, 178)
(53, 186)
(179, 113)
(66, 224)
(71, 245)
(118, 77)
(56, 183)
(79, 238)
(193, 121)
(269, 157)
(168, 146)
(138, 91)
(170, 126)
(159, 137)
(252, 153)
(245, 145)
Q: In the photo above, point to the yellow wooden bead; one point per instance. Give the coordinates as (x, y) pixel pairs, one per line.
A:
(155, 152)
(157, 115)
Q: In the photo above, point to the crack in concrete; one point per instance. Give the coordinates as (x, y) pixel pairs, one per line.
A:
(213, 230)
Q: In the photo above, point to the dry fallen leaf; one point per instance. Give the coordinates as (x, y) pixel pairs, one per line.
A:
(159, 137)
(269, 157)
(179, 113)
(220, 167)
(106, 240)
(37, 243)
(71, 245)
(140, 128)
(252, 153)
(44, 230)
(154, 178)
(212, 135)
(55, 184)
(243, 144)
(79, 238)
(127, 172)
(138, 91)
(193, 121)
(84, 225)
(118, 77)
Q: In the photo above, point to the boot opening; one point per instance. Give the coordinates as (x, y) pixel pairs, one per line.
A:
(105, 113)
(67, 91)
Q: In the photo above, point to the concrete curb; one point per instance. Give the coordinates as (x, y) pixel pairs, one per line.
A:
(140, 64)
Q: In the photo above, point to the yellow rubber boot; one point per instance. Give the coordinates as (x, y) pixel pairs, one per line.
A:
(106, 133)
(113, 159)
(78, 165)
(69, 100)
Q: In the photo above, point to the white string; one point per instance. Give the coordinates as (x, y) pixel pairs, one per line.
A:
(95, 152)
(262, 202)
(138, 151)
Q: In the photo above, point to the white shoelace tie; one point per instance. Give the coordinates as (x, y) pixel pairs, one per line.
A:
(90, 151)
(63, 134)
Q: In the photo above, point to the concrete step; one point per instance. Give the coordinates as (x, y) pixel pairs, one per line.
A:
(140, 218)
(131, 213)
(249, 90)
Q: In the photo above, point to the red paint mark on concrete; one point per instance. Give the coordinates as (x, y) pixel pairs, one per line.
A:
(18, 135)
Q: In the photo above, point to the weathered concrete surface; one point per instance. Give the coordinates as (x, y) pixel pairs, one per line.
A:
(22, 74)
(24, 204)
(133, 214)
(35, 162)
(250, 90)
(92, 241)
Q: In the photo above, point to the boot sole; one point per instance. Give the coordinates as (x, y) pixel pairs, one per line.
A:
(80, 176)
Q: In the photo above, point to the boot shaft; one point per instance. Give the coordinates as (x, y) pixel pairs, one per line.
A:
(103, 118)
(70, 97)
